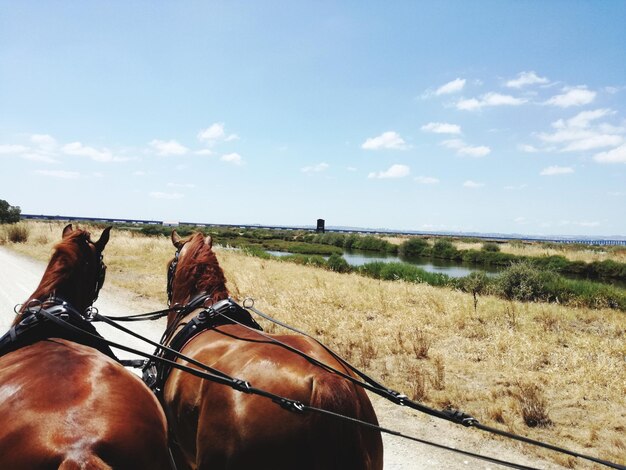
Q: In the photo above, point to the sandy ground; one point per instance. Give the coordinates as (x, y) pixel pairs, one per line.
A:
(19, 276)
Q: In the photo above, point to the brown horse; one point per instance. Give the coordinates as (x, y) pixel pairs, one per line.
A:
(216, 427)
(67, 405)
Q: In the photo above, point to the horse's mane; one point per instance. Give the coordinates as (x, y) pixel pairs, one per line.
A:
(199, 271)
(62, 263)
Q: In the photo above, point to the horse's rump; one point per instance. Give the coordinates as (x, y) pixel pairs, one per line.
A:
(69, 405)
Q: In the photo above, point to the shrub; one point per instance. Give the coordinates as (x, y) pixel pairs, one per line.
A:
(445, 249)
(475, 283)
(492, 247)
(306, 260)
(533, 406)
(18, 233)
(402, 271)
(372, 243)
(413, 247)
(338, 264)
(523, 281)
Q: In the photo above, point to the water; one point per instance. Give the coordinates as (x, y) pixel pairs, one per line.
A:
(441, 266)
(449, 268)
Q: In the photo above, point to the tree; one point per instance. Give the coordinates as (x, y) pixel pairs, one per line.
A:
(9, 214)
(476, 283)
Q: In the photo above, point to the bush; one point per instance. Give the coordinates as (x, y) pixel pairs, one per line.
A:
(492, 247)
(445, 249)
(18, 233)
(338, 264)
(523, 281)
(402, 271)
(9, 214)
(413, 247)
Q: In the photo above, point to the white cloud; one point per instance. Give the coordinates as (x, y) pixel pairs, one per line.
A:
(168, 147)
(520, 220)
(39, 157)
(44, 141)
(441, 128)
(476, 152)
(617, 155)
(387, 140)
(60, 174)
(215, 133)
(593, 142)
(579, 134)
(577, 96)
(454, 86)
(464, 149)
(161, 195)
(204, 152)
(556, 170)
(527, 148)
(394, 171)
(453, 143)
(514, 188)
(233, 158)
(426, 180)
(181, 185)
(584, 118)
(526, 78)
(472, 184)
(489, 100)
(78, 149)
(8, 149)
(315, 168)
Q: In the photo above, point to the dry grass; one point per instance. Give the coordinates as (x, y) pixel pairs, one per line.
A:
(565, 366)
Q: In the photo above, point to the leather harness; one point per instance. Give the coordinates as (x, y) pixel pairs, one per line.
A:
(36, 327)
(224, 312)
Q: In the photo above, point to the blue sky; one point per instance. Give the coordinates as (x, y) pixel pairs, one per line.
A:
(482, 116)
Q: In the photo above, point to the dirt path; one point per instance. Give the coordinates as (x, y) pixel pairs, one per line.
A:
(19, 276)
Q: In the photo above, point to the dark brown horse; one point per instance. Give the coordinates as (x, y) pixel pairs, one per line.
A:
(67, 405)
(216, 427)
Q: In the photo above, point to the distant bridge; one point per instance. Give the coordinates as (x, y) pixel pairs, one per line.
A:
(495, 237)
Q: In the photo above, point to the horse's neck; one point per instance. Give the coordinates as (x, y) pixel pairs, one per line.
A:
(59, 287)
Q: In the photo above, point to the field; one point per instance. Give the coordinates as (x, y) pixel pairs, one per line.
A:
(550, 372)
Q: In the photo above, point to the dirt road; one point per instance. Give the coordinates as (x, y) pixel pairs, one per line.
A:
(19, 276)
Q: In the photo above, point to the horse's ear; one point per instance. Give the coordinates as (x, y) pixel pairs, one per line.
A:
(103, 240)
(176, 239)
(208, 241)
(67, 230)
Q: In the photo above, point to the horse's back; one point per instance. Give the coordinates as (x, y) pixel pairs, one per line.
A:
(237, 430)
(71, 407)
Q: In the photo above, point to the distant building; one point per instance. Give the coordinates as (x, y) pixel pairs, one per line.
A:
(170, 224)
(320, 226)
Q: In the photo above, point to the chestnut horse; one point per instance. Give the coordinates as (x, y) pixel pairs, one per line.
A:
(67, 405)
(216, 427)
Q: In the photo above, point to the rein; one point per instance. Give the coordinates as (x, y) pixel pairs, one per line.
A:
(206, 372)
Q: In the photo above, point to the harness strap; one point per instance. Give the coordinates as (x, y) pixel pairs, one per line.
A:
(156, 374)
(286, 403)
(36, 326)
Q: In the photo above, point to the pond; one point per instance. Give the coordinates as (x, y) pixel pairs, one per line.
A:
(441, 266)
(449, 268)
